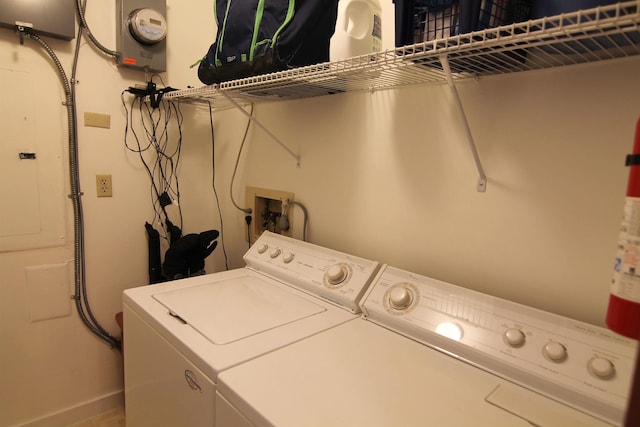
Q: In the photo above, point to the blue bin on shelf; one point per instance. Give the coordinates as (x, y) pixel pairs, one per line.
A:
(547, 8)
(424, 20)
(542, 8)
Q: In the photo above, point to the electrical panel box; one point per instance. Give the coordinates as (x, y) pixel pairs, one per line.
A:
(33, 208)
(141, 34)
(53, 18)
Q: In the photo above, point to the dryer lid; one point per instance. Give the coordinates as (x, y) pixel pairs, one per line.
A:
(233, 309)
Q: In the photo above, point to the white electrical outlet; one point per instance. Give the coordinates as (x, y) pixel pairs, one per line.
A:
(104, 185)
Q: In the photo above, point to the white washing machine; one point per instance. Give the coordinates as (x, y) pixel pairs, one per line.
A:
(428, 353)
(180, 335)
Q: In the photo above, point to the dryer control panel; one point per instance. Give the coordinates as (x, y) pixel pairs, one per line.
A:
(335, 276)
(584, 366)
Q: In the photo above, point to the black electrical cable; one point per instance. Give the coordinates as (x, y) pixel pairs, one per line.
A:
(177, 153)
(166, 167)
(162, 168)
(213, 185)
(84, 311)
(247, 219)
(139, 150)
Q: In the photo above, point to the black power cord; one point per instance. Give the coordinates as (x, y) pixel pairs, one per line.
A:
(163, 165)
(213, 185)
(247, 219)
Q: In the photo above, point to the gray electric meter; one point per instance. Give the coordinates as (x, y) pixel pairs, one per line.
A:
(141, 35)
(147, 26)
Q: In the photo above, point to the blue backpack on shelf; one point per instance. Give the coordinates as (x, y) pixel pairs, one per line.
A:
(261, 36)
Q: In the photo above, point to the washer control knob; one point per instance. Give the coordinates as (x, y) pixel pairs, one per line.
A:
(337, 274)
(400, 297)
(288, 257)
(601, 367)
(263, 248)
(514, 337)
(555, 351)
(275, 252)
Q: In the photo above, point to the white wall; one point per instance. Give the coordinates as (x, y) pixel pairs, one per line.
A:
(389, 176)
(54, 372)
(385, 175)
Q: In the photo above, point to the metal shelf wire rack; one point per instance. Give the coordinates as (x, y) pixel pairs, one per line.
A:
(598, 34)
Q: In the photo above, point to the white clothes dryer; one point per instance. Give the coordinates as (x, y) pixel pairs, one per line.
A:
(180, 335)
(428, 353)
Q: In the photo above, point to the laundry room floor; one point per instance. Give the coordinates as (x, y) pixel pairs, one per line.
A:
(113, 418)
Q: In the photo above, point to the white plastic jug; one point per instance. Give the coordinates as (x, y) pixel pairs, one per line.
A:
(358, 29)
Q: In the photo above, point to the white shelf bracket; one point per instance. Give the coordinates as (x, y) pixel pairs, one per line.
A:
(482, 179)
(261, 126)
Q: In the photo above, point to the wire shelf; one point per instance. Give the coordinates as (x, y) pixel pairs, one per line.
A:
(598, 34)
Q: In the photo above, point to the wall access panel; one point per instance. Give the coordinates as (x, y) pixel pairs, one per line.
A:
(33, 194)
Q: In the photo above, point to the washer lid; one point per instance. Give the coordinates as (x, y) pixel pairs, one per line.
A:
(237, 308)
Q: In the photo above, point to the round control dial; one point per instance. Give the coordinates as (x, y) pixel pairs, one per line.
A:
(288, 257)
(555, 351)
(263, 248)
(401, 298)
(601, 367)
(514, 337)
(336, 274)
(147, 26)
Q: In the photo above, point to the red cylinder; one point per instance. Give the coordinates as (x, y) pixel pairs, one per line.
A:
(623, 314)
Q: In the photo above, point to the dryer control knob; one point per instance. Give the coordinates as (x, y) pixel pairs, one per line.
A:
(288, 257)
(274, 253)
(263, 248)
(601, 367)
(514, 337)
(337, 274)
(400, 298)
(555, 351)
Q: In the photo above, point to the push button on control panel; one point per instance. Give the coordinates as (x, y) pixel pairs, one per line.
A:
(275, 253)
(514, 337)
(555, 351)
(601, 367)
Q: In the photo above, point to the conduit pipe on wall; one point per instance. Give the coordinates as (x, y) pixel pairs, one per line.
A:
(80, 296)
(80, 7)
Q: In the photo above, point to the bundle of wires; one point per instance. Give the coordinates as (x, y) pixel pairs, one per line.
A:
(159, 152)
